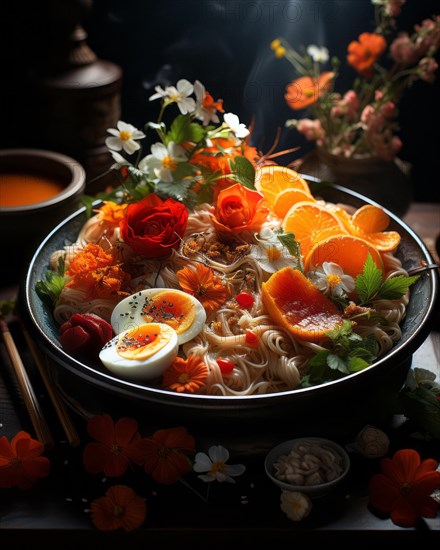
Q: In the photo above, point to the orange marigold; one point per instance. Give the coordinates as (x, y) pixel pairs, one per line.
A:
(20, 462)
(186, 375)
(205, 285)
(304, 91)
(91, 257)
(364, 52)
(102, 282)
(120, 507)
(111, 213)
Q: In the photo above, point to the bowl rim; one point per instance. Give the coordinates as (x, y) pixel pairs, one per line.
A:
(277, 451)
(130, 389)
(75, 186)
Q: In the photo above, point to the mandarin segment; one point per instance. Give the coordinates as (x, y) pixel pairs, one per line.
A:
(311, 223)
(369, 223)
(287, 198)
(347, 251)
(295, 303)
(271, 180)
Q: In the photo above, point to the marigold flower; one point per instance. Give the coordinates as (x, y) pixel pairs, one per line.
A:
(102, 282)
(304, 91)
(91, 257)
(202, 283)
(165, 455)
(120, 507)
(364, 52)
(403, 488)
(111, 213)
(114, 448)
(21, 463)
(186, 375)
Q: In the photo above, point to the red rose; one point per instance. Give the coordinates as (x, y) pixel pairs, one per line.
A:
(152, 226)
(238, 209)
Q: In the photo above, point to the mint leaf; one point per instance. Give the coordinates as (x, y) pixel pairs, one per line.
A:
(337, 363)
(50, 289)
(177, 190)
(369, 282)
(182, 129)
(242, 172)
(356, 364)
(395, 287)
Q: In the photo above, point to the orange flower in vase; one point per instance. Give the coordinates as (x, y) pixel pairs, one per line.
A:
(364, 52)
(306, 90)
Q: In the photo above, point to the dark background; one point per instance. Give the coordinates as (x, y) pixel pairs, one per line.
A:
(224, 44)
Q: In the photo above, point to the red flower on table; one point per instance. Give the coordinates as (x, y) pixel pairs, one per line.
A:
(120, 507)
(21, 463)
(114, 448)
(152, 227)
(165, 455)
(404, 486)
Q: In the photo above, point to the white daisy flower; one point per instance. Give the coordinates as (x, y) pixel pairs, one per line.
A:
(215, 465)
(163, 161)
(178, 94)
(119, 161)
(295, 505)
(331, 279)
(206, 107)
(319, 55)
(124, 138)
(238, 128)
(270, 254)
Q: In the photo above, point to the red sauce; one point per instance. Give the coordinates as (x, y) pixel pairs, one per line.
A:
(17, 189)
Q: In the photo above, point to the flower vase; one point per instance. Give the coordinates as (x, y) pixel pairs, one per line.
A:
(386, 182)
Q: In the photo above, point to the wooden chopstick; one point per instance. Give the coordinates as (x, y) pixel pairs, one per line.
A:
(35, 412)
(63, 415)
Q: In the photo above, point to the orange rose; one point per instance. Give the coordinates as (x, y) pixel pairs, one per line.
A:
(238, 209)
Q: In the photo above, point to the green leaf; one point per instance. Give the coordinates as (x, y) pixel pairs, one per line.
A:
(356, 364)
(88, 203)
(177, 190)
(423, 409)
(337, 363)
(50, 289)
(6, 307)
(182, 129)
(395, 287)
(293, 247)
(242, 172)
(369, 282)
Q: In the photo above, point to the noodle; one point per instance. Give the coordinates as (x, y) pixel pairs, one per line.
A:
(278, 362)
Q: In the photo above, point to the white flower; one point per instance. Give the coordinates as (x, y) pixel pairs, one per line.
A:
(124, 138)
(319, 55)
(179, 94)
(330, 279)
(295, 505)
(235, 125)
(270, 254)
(206, 107)
(119, 161)
(163, 161)
(215, 465)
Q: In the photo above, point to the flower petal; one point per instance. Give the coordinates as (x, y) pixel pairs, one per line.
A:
(185, 87)
(202, 463)
(130, 146)
(235, 469)
(113, 143)
(218, 453)
(403, 513)
(125, 429)
(101, 428)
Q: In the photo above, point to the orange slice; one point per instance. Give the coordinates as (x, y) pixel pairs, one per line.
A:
(296, 304)
(348, 251)
(271, 180)
(369, 222)
(287, 198)
(311, 223)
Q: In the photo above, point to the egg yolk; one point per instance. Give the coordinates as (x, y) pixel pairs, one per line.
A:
(171, 308)
(144, 341)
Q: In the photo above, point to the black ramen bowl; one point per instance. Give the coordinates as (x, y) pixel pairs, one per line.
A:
(247, 423)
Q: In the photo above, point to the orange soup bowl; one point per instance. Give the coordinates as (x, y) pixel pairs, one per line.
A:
(38, 190)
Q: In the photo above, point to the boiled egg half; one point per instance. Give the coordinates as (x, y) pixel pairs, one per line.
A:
(175, 308)
(141, 353)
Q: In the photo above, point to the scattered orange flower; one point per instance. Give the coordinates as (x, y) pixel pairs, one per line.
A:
(165, 454)
(211, 105)
(304, 91)
(205, 285)
(186, 375)
(111, 213)
(21, 463)
(114, 448)
(120, 507)
(404, 486)
(364, 52)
